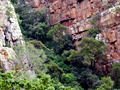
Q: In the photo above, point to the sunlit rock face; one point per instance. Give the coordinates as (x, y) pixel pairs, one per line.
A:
(10, 32)
(7, 58)
(10, 35)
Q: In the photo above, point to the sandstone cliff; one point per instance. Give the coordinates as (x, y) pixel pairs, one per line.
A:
(10, 35)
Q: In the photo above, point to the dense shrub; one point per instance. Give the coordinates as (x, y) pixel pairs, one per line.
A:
(115, 74)
(92, 32)
(8, 81)
(34, 23)
(35, 58)
(14, 1)
(107, 84)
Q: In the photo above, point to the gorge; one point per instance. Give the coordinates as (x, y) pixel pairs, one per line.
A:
(60, 44)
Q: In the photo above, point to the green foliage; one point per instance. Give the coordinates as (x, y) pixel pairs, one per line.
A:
(60, 61)
(94, 19)
(91, 32)
(69, 80)
(116, 66)
(74, 55)
(9, 8)
(40, 31)
(7, 45)
(34, 23)
(81, 70)
(54, 70)
(107, 84)
(60, 86)
(9, 14)
(110, 5)
(57, 31)
(38, 44)
(8, 81)
(66, 66)
(117, 9)
(65, 43)
(92, 50)
(93, 22)
(88, 79)
(9, 11)
(18, 19)
(14, 1)
(116, 75)
(36, 58)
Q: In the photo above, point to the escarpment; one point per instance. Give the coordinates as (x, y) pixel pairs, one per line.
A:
(10, 35)
(78, 15)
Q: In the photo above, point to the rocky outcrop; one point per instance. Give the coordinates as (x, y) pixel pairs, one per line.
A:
(10, 35)
(7, 57)
(10, 32)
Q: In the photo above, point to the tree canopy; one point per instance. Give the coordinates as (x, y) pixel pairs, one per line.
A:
(92, 50)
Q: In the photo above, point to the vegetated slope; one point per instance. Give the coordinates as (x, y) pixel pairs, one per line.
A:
(53, 53)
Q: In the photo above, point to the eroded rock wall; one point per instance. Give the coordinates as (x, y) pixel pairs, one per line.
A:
(10, 35)
(10, 32)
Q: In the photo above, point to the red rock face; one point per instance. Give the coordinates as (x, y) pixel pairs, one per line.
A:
(76, 15)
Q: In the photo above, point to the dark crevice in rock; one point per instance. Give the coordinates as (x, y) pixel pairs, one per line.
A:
(113, 42)
(79, 1)
(67, 22)
(52, 13)
(80, 32)
(79, 39)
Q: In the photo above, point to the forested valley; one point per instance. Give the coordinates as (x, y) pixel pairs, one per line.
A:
(54, 61)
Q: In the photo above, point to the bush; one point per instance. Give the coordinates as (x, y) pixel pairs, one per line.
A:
(107, 84)
(14, 1)
(92, 32)
(55, 71)
(38, 44)
(32, 57)
(115, 75)
(69, 79)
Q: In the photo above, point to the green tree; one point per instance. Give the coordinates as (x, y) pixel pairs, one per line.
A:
(69, 79)
(40, 31)
(57, 31)
(74, 55)
(115, 74)
(92, 50)
(107, 84)
(87, 79)
(34, 24)
(63, 41)
(38, 44)
(55, 71)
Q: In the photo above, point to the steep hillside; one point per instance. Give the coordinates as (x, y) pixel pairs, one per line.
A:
(78, 15)
(69, 44)
(10, 34)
